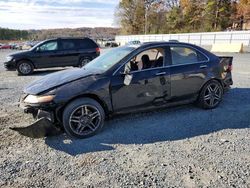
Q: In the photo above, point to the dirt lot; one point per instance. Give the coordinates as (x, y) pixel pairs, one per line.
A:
(178, 147)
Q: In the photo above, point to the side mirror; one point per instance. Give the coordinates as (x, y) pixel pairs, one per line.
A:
(127, 76)
(126, 71)
(127, 79)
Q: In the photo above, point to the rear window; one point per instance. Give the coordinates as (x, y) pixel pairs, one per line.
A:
(86, 43)
(185, 55)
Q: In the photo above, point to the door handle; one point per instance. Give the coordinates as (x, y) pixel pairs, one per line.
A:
(160, 73)
(203, 66)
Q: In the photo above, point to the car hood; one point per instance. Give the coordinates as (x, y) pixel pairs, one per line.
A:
(19, 53)
(56, 79)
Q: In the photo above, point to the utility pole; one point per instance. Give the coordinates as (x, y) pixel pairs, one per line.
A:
(146, 17)
(147, 4)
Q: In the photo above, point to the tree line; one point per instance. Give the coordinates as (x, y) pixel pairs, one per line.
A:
(95, 33)
(179, 16)
(13, 34)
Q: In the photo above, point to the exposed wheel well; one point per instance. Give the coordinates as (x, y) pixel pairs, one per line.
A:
(59, 112)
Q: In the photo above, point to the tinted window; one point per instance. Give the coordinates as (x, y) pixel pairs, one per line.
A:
(184, 55)
(68, 45)
(49, 46)
(86, 43)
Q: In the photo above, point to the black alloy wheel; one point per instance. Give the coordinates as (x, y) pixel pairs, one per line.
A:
(211, 95)
(83, 118)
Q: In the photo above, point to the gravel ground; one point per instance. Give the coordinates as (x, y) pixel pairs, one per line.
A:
(178, 147)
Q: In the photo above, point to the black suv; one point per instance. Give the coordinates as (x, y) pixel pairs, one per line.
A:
(58, 52)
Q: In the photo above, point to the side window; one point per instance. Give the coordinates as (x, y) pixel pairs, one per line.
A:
(49, 46)
(86, 43)
(68, 45)
(151, 58)
(184, 55)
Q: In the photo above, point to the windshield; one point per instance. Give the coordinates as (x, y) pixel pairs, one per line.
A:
(38, 44)
(108, 59)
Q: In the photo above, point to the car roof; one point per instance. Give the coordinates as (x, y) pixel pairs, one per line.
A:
(156, 43)
(153, 43)
(68, 38)
(164, 43)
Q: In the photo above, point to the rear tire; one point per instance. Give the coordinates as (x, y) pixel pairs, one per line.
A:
(83, 118)
(25, 67)
(84, 61)
(210, 95)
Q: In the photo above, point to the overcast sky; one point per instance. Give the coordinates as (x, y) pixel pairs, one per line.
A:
(45, 14)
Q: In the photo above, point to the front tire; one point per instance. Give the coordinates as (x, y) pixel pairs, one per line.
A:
(83, 118)
(25, 67)
(211, 95)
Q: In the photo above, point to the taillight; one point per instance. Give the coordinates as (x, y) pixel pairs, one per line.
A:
(97, 50)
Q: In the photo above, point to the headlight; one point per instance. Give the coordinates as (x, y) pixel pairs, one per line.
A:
(33, 99)
(9, 58)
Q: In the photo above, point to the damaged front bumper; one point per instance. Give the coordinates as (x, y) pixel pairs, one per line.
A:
(37, 110)
(45, 124)
(37, 113)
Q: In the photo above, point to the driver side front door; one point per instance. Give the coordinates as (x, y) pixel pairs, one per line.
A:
(147, 88)
(47, 55)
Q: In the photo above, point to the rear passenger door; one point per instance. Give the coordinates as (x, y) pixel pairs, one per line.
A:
(69, 52)
(87, 48)
(188, 71)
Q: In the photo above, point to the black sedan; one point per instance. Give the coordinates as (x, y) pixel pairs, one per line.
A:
(126, 79)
